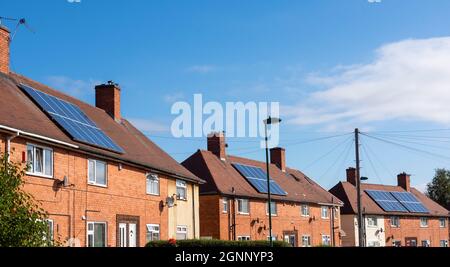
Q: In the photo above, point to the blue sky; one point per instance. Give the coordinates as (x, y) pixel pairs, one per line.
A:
(332, 65)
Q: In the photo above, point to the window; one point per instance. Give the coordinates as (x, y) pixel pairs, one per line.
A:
(443, 243)
(225, 205)
(326, 240)
(50, 229)
(305, 210)
(397, 243)
(153, 232)
(306, 241)
(97, 172)
(426, 243)
(372, 221)
(442, 222)
(395, 221)
(273, 207)
(181, 190)
(373, 244)
(243, 238)
(40, 161)
(423, 222)
(243, 206)
(182, 232)
(152, 184)
(274, 238)
(324, 212)
(96, 234)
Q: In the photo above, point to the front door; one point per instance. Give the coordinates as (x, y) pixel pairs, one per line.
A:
(291, 238)
(132, 235)
(127, 231)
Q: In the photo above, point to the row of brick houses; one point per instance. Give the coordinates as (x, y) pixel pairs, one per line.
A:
(104, 183)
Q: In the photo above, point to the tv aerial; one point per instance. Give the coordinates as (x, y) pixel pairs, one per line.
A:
(20, 23)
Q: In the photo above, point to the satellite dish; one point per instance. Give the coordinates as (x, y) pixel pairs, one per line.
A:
(170, 202)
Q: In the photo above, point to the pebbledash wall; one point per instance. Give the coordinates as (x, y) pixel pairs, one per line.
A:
(215, 222)
(124, 197)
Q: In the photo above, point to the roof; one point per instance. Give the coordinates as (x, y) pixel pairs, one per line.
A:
(222, 177)
(19, 112)
(347, 193)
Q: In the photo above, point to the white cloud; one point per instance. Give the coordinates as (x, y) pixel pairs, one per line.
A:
(203, 69)
(73, 87)
(147, 126)
(407, 80)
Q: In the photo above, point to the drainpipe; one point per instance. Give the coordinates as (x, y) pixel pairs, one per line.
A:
(8, 144)
(193, 211)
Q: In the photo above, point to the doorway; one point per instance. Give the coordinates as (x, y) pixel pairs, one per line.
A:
(291, 237)
(127, 231)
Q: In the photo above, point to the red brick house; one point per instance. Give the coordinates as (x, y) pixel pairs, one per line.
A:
(233, 208)
(393, 215)
(95, 195)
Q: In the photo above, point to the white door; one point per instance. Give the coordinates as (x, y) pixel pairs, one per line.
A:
(123, 235)
(132, 235)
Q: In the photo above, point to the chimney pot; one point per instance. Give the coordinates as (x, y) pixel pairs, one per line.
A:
(107, 97)
(404, 181)
(5, 40)
(278, 158)
(351, 175)
(217, 145)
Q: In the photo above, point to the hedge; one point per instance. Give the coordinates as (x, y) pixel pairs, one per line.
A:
(214, 243)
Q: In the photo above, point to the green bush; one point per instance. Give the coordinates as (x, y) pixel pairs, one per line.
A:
(215, 243)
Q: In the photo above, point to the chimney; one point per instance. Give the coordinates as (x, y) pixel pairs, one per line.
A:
(4, 49)
(351, 175)
(278, 157)
(404, 181)
(107, 97)
(217, 145)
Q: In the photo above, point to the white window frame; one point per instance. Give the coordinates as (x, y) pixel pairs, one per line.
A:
(152, 231)
(225, 205)
(328, 238)
(274, 211)
(41, 174)
(151, 178)
(95, 173)
(443, 243)
(182, 229)
(423, 219)
(442, 223)
(51, 226)
(180, 184)
(373, 243)
(322, 209)
(274, 238)
(307, 237)
(248, 206)
(307, 214)
(243, 238)
(89, 232)
(397, 220)
(428, 243)
(372, 221)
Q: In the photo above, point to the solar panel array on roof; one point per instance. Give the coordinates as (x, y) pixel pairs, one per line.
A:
(397, 201)
(258, 179)
(72, 119)
(410, 202)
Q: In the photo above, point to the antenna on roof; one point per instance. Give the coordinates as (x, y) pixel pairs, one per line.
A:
(20, 22)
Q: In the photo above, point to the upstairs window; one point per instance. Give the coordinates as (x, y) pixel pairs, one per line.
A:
(181, 190)
(225, 205)
(372, 221)
(423, 222)
(97, 172)
(395, 221)
(273, 208)
(324, 212)
(152, 184)
(243, 206)
(305, 210)
(442, 222)
(40, 161)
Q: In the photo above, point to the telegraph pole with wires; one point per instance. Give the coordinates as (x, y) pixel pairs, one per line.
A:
(361, 234)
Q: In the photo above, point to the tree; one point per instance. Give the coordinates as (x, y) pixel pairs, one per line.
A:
(22, 221)
(439, 188)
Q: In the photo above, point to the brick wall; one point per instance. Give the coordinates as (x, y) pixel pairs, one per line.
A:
(4, 50)
(215, 222)
(125, 195)
(410, 228)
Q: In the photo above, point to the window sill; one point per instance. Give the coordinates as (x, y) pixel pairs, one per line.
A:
(153, 195)
(243, 213)
(182, 199)
(98, 185)
(39, 175)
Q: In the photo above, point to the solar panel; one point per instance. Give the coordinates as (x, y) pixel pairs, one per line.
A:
(258, 179)
(386, 201)
(410, 202)
(72, 119)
